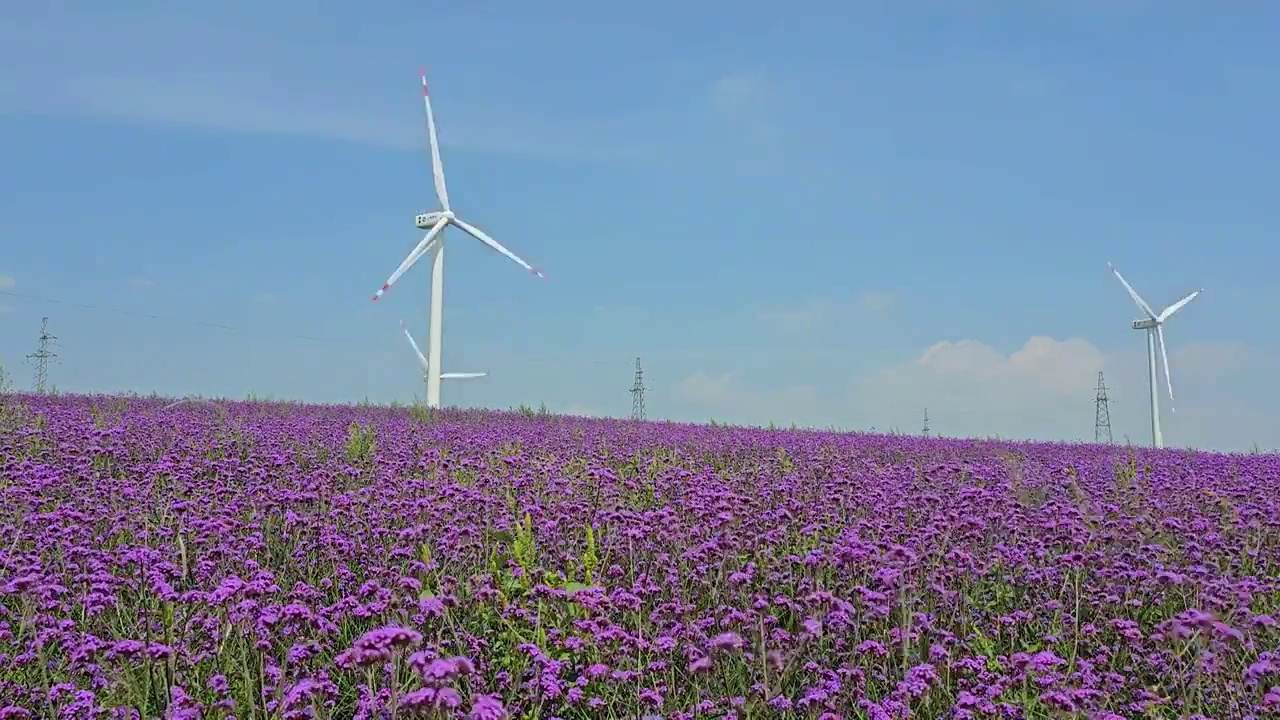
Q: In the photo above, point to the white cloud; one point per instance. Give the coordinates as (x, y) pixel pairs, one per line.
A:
(136, 69)
(7, 282)
(1045, 390)
(1213, 361)
(738, 92)
(800, 320)
(726, 397)
(1052, 366)
(972, 388)
(709, 389)
(170, 66)
(742, 103)
(1041, 390)
(876, 303)
(824, 313)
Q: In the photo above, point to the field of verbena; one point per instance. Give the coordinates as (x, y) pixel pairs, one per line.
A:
(272, 560)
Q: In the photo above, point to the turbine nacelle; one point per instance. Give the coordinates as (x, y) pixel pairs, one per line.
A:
(1145, 324)
(426, 221)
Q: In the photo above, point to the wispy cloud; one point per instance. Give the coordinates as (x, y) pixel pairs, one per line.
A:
(743, 102)
(876, 304)
(7, 283)
(974, 389)
(168, 67)
(725, 396)
(971, 388)
(743, 113)
(1219, 360)
(823, 313)
(801, 320)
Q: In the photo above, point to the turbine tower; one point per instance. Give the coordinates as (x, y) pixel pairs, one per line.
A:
(1153, 324)
(426, 366)
(434, 223)
(925, 430)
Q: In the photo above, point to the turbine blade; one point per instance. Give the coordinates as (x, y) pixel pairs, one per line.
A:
(480, 235)
(422, 360)
(1140, 302)
(461, 376)
(437, 168)
(428, 244)
(1164, 357)
(1174, 308)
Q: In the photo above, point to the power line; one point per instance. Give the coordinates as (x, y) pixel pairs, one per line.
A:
(43, 355)
(637, 394)
(1101, 413)
(171, 318)
(526, 360)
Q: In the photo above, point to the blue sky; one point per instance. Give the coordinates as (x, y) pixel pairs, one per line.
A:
(834, 215)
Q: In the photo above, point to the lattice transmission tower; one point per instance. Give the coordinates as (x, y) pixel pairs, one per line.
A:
(637, 394)
(1101, 413)
(925, 431)
(43, 355)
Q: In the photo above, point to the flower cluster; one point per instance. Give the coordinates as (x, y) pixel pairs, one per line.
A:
(269, 559)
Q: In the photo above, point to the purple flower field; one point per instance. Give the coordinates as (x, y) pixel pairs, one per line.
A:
(270, 560)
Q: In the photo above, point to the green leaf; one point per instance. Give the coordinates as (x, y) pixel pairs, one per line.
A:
(576, 587)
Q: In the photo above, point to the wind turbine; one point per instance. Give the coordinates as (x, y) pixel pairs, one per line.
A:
(434, 223)
(1153, 324)
(426, 367)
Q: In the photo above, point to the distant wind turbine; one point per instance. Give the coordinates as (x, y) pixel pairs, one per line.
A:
(433, 243)
(1153, 324)
(426, 365)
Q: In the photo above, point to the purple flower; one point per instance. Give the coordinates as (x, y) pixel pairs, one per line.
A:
(218, 684)
(362, 657)
(181, 705)
(1045, 661)
(727, 641)
(358, 557)
(918, 680)
(486, 707)
(440, 670)
(389, 637)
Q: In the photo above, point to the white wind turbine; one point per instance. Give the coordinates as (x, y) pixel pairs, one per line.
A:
(1153, 324)
(433, 243)
(422, 360)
